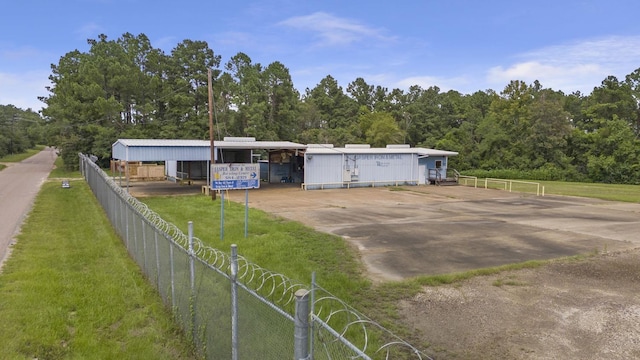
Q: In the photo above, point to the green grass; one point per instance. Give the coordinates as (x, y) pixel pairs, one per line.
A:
(295, 250)
(286, 247)
(69, 290)
(60, 172)
(613, 192)
(21, 156)
(278, 245)
(282, 246)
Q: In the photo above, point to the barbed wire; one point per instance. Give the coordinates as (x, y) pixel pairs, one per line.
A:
(346, 325)
(343, 321)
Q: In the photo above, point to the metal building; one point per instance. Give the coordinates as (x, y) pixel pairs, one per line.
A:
(190, 159)
(315, 166)
(360, 165)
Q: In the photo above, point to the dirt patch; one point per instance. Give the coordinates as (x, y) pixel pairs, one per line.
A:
(586, 309)
(566, 310)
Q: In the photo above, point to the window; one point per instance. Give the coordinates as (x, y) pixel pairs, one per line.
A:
(438, 164)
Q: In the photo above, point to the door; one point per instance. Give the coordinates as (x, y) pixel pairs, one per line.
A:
(422, 174)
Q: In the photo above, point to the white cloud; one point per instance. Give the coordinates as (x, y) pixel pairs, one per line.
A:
(22, 89)
(332, 30)
(19, 54)
(166, 43)
(570, 67)
(457, 83)
(90, 31)
(228, 38)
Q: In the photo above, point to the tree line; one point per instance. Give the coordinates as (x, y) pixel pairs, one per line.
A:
(126, 88)
(20, 130)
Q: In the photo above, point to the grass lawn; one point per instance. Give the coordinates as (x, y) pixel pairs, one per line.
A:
(60, 172)
(285, 247)
(19, 157)
(70, 290)
(614, 192)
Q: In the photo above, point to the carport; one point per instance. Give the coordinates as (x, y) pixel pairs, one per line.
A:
(190, 159)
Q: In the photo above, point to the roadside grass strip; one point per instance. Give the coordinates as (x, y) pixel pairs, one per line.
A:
(59, 171)
(70, 290)
(21, 156)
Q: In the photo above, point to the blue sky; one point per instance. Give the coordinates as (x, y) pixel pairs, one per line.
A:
(567, 45)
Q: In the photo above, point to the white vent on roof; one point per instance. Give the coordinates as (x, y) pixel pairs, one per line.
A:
(316, 146)
(357, 146)
(238, 139)
(398, 146)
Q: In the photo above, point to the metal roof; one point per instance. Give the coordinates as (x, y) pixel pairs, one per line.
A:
(161, 142)
(188, 150)
(388, 150)
(258, 145)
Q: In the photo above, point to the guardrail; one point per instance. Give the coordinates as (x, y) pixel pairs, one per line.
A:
(465, 180)
(508, 184)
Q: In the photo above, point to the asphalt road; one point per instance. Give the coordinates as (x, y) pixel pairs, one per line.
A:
(19, 185)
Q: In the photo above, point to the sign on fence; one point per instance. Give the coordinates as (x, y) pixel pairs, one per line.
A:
(235, 176)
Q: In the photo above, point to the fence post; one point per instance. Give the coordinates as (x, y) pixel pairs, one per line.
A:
(158, 274)
(135, 236)
(173, 286)
(234, 302)
(301, 318)
(312, 311)
(145, 269)
(192, 278)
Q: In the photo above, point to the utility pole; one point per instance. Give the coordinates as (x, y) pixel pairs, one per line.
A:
(213, 150)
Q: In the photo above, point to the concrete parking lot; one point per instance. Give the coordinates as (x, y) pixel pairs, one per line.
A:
(571, 310)
(428, 230)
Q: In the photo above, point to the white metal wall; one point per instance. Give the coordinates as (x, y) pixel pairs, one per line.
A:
(171, 168)
(323, 169)
(337, 170)
(384, 167)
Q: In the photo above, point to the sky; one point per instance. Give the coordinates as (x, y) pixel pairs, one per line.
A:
(462, 45)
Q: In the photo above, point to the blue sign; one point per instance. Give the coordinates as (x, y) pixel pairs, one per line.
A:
(235, 176)
(235, 184)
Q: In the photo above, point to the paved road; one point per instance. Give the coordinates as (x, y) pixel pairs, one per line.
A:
(19, 185)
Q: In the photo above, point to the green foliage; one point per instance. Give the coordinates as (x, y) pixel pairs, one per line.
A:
(61, 171)
(71, 291)
(23, 155)
(127, 88)
(379, 128)
(546, 172)
(20, 130)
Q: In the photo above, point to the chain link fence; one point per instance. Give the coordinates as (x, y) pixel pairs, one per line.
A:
(231, 308)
